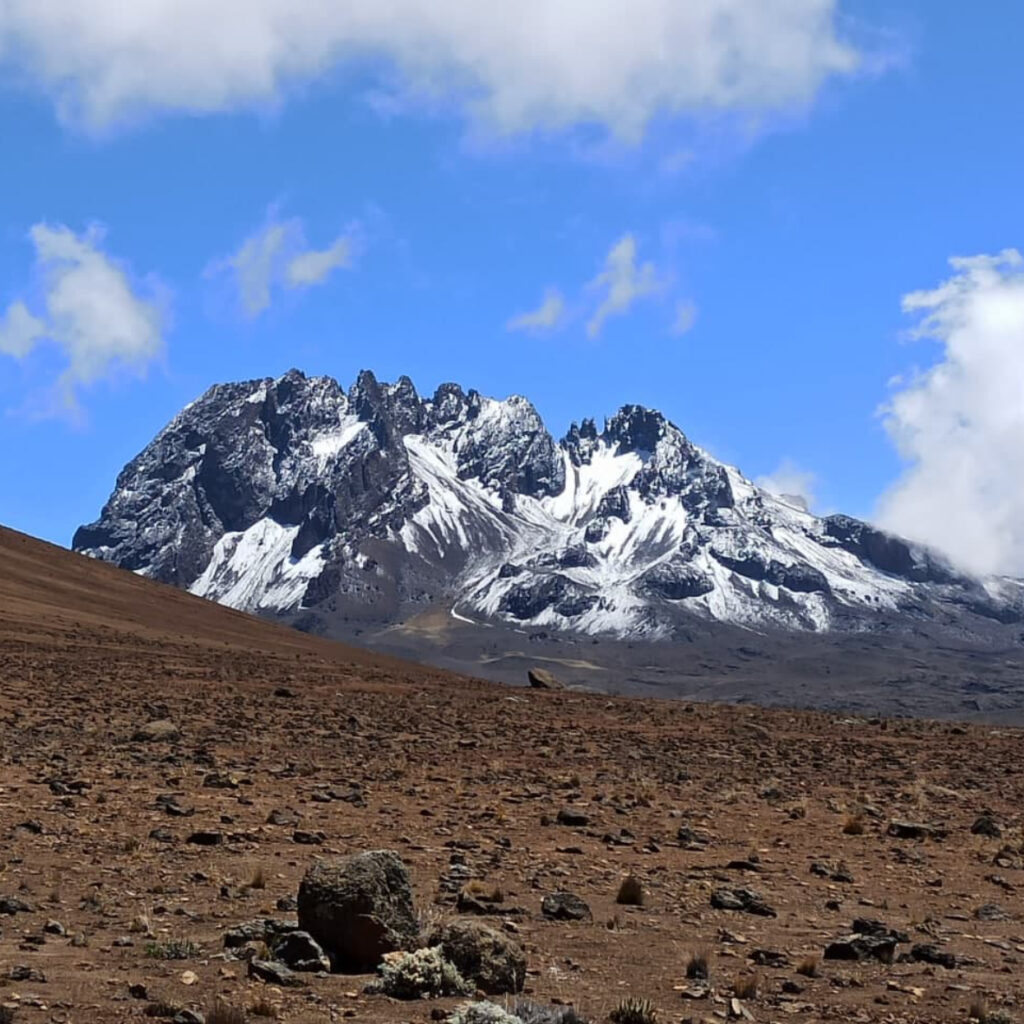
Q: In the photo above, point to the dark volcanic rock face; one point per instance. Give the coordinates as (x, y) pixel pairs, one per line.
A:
(295, 498)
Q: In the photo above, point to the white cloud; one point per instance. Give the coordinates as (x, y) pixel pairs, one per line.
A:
(545, 317)
(789, 481)
(91, 311)
(277, 256)
(686, 317)
(960, 424)
(622, 282)
(514, 66)
(20, 330)
(313, 266)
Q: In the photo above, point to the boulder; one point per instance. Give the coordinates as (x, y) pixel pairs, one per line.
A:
(542, 679)
(358, 908)
(486, 958)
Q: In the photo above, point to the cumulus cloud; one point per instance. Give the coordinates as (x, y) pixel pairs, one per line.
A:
(790, 482)
(277, 256)
(545, 317)
(522, 66)
(91, 310)
(621, 283)
(960, 424)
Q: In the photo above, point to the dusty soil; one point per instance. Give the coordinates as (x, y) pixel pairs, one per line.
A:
(369, 752)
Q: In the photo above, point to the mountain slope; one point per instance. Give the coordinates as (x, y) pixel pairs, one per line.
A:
(293, 498)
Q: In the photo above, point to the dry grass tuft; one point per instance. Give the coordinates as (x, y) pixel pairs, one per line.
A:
(225, 1013)
(808, 967)
(854, 825)
(745, 986)
(631, 892)
(698, 967)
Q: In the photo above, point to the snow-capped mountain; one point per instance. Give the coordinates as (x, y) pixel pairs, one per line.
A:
(293, 498)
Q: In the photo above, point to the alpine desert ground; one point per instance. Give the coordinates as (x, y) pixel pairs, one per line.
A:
(171, 769)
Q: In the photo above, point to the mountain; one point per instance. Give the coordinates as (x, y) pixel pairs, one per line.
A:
(298, 500)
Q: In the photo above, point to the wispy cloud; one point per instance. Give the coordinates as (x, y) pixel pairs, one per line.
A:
(686, 317)
(277, 256)
(622, 283)
(547, 316)
(790, 481)
(547, 65)
(91, 309)
(960, 424)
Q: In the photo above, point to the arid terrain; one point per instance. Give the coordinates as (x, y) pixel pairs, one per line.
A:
(117, 852)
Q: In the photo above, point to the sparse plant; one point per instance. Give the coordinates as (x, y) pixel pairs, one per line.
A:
(263, 1007)
(225, 1013)
(173, 949)
(698, 967)
(808, 967)
(979, 1011)
(422, 974)
(634, 1010)
(160, 1009)
(258, 879)
(745, 986)
(485, 892)
(854, 825)
(141, 925)
(631, 892)
(529, 1012)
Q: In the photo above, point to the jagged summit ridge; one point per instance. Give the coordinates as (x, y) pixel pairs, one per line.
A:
(293, 497)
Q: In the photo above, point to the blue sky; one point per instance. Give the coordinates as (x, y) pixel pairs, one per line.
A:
(787, 228)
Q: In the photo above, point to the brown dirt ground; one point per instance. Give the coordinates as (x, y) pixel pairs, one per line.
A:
(446, 764)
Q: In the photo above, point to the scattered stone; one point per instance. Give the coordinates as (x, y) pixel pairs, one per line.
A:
(300, 951)
(690, 839)
(358, 908)
(914, 830)
(274, 973)
(206, 838)
(308, 838)
(565, 906)
(928, 953)
(162, 730)
(992, 912)
(11, 905)
(744, 900)
(769, 958)
(870, 940)
(987, 826)
(572, 818)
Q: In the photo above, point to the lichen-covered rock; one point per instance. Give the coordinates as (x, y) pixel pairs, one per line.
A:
(487, 958)
(424, 974)
(358, 908)
(482, 1013)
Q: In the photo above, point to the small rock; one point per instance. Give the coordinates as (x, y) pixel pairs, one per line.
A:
(274, 973)
(572, 818)
(163, 730)
(565, 906)
(744, 900)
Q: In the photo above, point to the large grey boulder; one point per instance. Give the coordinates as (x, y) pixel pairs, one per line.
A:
(358, 908)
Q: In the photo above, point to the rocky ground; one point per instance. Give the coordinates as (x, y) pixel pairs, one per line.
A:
(755, 839)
